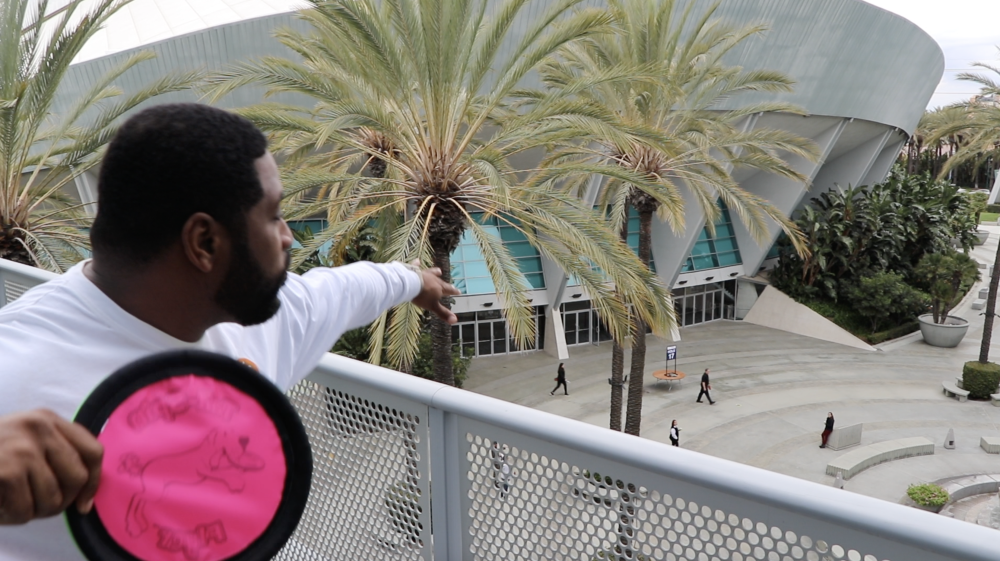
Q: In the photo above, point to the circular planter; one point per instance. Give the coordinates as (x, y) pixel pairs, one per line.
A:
(981, 236)
(948, 334)
(934, 509)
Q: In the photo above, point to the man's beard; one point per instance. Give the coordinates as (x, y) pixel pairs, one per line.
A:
(246, 293)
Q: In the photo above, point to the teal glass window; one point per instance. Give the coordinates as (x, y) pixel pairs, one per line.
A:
(720, 251)
(632, 239)
(468, 267)
(314, 226)
(633, 236)
(775, 250)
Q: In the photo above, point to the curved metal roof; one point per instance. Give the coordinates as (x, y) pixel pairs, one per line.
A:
(849, 58)
(142, 22)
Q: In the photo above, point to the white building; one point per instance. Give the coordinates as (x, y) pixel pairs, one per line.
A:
(863, 75)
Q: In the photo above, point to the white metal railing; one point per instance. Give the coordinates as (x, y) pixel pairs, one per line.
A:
(16, 279)
(405, 468)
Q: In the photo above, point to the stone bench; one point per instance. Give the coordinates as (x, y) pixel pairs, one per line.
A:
(965, 487)
(990, 443)
(856, 461)
(844, 438)
(978, 304)
(951, 390)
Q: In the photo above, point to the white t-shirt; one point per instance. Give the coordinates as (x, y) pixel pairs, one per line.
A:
(62, 338)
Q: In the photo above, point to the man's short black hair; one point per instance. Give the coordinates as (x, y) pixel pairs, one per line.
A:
(167, 163)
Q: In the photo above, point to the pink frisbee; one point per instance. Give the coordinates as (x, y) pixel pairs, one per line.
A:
(204, 460)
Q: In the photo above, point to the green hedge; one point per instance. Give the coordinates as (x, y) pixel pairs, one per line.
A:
(928, 494)
(980, 379)
(894, 333)
(992, 208)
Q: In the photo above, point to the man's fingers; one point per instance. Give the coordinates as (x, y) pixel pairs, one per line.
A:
(45, 491)
(16, 504)
(89, 454)
(445, 314)
(67, 468)
(450, 290)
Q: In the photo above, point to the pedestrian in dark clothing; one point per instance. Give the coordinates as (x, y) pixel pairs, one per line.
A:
(675, 434)
(560, 381)
(828, 429)
(705, 386)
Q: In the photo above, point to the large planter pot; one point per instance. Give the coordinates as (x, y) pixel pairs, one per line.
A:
(948, 334)
(981, 237)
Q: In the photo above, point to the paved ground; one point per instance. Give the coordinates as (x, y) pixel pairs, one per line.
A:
(774, 389)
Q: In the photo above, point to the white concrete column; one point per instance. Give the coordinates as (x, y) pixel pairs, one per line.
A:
(883, 163)
(785, 194)
(555, 287)
(670, 250)
(86, 188)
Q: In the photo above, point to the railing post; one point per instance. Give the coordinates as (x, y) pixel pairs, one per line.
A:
(445, 482)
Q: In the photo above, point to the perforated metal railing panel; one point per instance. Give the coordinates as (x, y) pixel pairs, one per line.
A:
(369, 496)
(528, 502)
(515, 484)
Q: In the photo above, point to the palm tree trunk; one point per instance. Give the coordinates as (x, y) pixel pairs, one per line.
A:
(991, 304)
(12, 248)
(617, 369)
(617, 366)
(633, 417)
(441, 331)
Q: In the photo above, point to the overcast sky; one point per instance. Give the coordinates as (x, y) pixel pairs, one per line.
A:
(967, 30)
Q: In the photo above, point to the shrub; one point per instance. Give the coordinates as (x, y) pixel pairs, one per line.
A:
(883, 295)
(893, 333)
(981, 379)
(993, 208)
(946, 277)
(928, 494)
(976, 203)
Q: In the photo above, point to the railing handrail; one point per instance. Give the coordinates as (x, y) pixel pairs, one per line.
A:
(837, 507)
(28, 271)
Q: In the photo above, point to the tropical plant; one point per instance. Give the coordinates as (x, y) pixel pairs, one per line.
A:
(981, 124)
(859, 231)
(884, 295)
(946, 277)
(411, 133)
(661, 73)
(41, 152)
(977, 121)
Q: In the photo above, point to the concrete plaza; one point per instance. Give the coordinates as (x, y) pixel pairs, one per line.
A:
(773, 391)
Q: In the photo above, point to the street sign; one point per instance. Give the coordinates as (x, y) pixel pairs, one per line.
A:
(672, 352)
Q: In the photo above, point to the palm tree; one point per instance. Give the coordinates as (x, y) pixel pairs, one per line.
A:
(981, 142)
(661, 73)
(411, 133)
(40, 152)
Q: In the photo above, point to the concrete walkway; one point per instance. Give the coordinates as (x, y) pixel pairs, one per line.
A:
(773, 390)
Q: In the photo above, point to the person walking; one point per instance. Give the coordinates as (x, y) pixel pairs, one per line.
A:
(705, 386)
(560, 380)
(675, 434)
(827, 429)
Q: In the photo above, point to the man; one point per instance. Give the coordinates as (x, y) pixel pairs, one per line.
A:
(189, 252)
(827, 429)
(705, 386)
(560, 380)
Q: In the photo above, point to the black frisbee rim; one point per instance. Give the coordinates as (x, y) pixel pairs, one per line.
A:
(89, 532)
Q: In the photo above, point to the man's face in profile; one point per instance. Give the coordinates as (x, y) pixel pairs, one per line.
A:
(260, 257)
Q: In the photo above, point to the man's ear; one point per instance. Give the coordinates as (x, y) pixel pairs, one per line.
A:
(205, 242)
